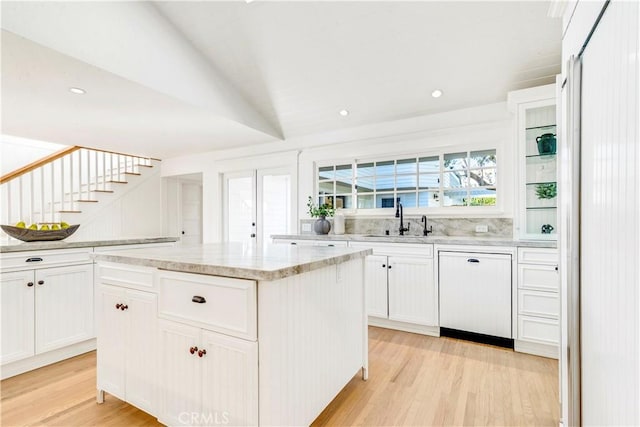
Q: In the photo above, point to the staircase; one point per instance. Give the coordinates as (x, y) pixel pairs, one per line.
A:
(66, 184)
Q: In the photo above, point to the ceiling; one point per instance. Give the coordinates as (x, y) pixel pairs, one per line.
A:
(296, 63)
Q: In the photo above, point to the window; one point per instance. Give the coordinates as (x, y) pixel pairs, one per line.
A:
(465, 178)
(335, 186)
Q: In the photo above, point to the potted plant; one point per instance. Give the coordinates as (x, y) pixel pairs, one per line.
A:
(547, 190)
(322, 225)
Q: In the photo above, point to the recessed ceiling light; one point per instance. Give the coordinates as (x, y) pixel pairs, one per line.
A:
(77, 90)
(344, 112)
(436, 93)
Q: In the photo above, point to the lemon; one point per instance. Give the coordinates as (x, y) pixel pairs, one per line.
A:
(44, 227)
(55, 227)
(33, 227)
(21, 224)
(64, 225)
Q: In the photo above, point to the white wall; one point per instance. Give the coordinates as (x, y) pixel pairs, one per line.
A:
(17, 152)
(134, 211)
(480, 127)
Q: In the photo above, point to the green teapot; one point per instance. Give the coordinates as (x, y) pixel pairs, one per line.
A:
(546, 143)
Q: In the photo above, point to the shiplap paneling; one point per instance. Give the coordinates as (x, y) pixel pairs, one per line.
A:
(609, 221)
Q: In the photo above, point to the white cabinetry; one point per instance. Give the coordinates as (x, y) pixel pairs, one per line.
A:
(207, 378)
(475, 292)
(127, 348)
(210, 333)
(538, 302)
(18, 325)
(535, 136)
(400, 286)
(301, 242)
(47, 308)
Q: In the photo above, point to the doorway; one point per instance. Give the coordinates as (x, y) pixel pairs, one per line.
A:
(183, 208)
(257, 205)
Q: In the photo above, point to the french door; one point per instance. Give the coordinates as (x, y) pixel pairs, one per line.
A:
(257, 204)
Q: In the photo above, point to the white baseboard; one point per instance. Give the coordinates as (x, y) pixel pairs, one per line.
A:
(544, 350)
(38, 361)
(433, 331)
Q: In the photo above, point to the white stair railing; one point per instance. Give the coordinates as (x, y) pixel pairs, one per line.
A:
(61, 183)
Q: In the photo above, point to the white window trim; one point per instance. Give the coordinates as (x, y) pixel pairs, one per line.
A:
(444, 211)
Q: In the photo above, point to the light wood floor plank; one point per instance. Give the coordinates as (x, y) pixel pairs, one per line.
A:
(414, 380)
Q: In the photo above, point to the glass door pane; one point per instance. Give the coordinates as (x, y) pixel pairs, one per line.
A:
(240, 212)
(275, 193)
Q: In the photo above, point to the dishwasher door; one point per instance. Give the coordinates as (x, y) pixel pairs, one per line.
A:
(475, 292)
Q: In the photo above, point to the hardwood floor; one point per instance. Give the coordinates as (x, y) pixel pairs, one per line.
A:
(414, 380)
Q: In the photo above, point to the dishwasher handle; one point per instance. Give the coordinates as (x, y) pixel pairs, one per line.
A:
(474, 260)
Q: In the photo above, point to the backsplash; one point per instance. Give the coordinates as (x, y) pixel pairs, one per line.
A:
(497, 227)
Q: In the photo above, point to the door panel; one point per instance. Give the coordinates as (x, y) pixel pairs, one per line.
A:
(240, 211)
(232, 399)
(112, 328)
(17, 316)
(412, 296)
(64, 306)
(375, 277)
(191, 212)
(274, 200)
(180, 388)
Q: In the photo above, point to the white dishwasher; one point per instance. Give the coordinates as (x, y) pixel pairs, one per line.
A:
(475, 292)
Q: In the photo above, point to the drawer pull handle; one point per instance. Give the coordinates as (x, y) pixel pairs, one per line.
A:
(37, 259)
(293, 243)
(331, 246)
(198, 299)
(40, 282)
(192, 350)
(124, 307)
(30, 284)
(556, 268)
(473, 260)
(384, 265)
(202, 352)
(118, 306)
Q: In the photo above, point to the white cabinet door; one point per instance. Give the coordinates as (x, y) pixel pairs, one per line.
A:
(181, 373)
(231, 397)
(112, 329)
(64, 306)
(412, 294)
(17, 315)
(141, 349)
(475, 293)
(375, 277)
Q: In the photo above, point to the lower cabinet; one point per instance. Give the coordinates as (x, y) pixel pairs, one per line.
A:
(50, 308)
(399, 283)
(128, 345)
(538, 302)
(189, 355)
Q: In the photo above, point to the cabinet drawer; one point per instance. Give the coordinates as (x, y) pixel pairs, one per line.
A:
(538, 256)
(128, 276)
(543, 331)
(227, 305)
(536, 303)
(37, 259)
(538, 277)
(409, 249)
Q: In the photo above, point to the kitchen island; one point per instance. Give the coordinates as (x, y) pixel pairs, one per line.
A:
(230, 334)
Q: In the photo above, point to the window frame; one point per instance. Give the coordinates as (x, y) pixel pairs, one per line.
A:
(466, 210)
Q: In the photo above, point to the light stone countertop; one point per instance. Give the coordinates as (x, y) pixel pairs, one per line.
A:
(14, 246)
(236, 260)
(443, 240)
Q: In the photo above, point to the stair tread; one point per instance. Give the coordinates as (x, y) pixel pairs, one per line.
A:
(118, 182)
(69, 211)
(86, 201)
(102, 191)
(132, 173)
(145, 166)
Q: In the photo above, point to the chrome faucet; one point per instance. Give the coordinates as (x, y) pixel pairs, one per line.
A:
(399, 214)
(425, 231)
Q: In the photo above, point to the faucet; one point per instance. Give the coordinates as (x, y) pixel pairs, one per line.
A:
(425, 231)
(399, 214)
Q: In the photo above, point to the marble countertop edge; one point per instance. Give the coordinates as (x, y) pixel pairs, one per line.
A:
(234, 271)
